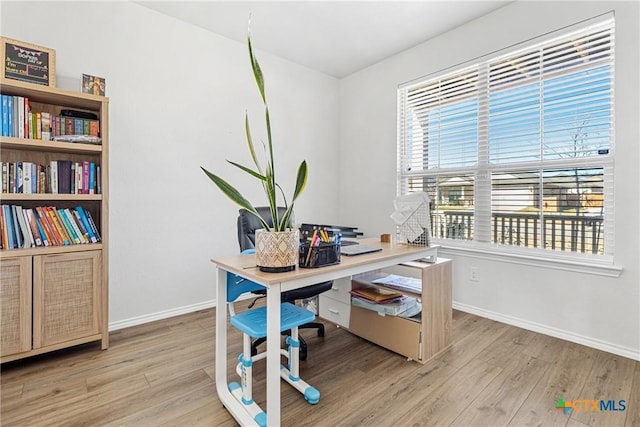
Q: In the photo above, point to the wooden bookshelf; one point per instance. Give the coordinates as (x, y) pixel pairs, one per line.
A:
(53, 297)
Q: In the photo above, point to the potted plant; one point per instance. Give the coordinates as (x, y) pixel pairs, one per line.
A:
(277, 246)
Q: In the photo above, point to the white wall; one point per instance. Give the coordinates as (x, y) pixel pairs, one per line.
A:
(178, 95)
(600, 311)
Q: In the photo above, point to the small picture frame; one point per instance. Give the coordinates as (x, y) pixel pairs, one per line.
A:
(93, 85)
(27, 62)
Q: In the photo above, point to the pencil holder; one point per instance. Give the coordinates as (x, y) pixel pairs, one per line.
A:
(319, 256)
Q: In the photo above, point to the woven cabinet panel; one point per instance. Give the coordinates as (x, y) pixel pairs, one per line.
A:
(15, 305)
(67, 296)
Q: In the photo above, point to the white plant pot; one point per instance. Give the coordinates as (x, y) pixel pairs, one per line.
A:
(277, 251)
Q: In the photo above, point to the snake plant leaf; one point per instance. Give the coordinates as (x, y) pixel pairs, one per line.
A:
(233, 194)
(301, 180)
(249, 171)
(257, 72)
(252, 150)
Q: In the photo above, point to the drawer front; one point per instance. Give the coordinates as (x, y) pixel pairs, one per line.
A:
(392, 332)
(340, 290)
(335, 311)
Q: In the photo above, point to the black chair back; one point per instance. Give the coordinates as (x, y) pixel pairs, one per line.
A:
(248, 224)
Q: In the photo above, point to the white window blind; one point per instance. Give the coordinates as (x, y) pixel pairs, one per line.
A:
(517, 149)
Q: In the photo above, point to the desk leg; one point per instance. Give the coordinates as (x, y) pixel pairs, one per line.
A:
(273, 355)
(225, 396)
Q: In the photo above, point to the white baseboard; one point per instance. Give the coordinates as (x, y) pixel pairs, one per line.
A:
(498, 317)
(553, 332)
(134, 321)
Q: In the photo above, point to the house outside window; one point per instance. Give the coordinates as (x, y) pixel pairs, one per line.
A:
(517, 149)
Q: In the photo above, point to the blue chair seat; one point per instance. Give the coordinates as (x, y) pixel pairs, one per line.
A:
(254, 322)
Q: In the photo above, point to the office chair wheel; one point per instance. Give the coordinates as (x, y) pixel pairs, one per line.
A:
(321, 331)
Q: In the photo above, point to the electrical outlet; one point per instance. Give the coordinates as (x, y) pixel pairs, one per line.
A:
(473, 274)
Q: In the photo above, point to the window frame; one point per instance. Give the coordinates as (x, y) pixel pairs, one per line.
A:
(482, 171)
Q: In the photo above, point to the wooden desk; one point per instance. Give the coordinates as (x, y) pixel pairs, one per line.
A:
(244, 265)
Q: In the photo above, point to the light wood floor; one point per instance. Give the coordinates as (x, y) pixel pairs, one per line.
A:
(161, 374)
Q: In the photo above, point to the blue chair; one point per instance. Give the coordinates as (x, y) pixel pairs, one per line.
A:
(253, 324)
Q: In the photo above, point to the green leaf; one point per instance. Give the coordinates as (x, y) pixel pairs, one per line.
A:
(301, 180)
(233, 194)
(257, 72)
(249, 171)
(252, 150)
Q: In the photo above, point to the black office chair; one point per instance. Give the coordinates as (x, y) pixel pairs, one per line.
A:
(247, 226)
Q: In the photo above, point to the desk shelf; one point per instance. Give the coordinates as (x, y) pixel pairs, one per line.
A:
(420, 341)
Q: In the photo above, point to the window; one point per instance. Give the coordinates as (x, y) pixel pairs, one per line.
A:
(517, 149)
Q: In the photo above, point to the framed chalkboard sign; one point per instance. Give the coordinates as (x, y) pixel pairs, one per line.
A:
(28, 62)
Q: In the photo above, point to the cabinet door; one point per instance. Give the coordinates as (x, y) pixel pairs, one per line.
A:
(66, 297)
(15, 305)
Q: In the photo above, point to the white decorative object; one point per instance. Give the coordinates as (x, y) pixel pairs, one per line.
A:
(412, 218)
(277, 251)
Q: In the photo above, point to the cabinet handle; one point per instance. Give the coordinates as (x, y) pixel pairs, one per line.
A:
(334, 311)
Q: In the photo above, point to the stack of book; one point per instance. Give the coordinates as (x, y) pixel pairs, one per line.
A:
(19, 121)
(46, 226)
(383, 301)
(58, 177)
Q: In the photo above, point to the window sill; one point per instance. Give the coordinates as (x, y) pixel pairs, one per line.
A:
(601, 265)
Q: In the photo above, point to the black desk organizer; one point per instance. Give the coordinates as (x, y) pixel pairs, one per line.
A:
(322, 255)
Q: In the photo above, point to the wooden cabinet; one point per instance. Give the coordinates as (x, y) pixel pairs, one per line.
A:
(54, 297)
(420, 339)
(15, 311)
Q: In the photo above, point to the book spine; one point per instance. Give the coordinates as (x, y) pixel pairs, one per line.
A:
(19, 182)
(5, 177)
(35, 177)
(14, 115)
(5, 115)
(25, 123)
(27, 237)
(81, 228)
(26, 178)
(53, 177)
(76, 226)
(85, 221)
(38, 130)
(46, 126)
(47, 225)
(92, 178)
(78, 127)
(19, 239)
(37, 238)
(8, 220)
(9, 129)
(94, 127)
(69, 126)
(58, 227)
(98, 180)
(93, 225)
(64, 176)
(85, 177)
(20, 117)
(68, 228)
(41, 228)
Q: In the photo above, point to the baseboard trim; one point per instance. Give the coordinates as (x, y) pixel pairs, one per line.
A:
(553, 332)
(135, 321)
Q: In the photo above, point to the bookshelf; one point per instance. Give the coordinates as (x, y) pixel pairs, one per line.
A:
(56, 296)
